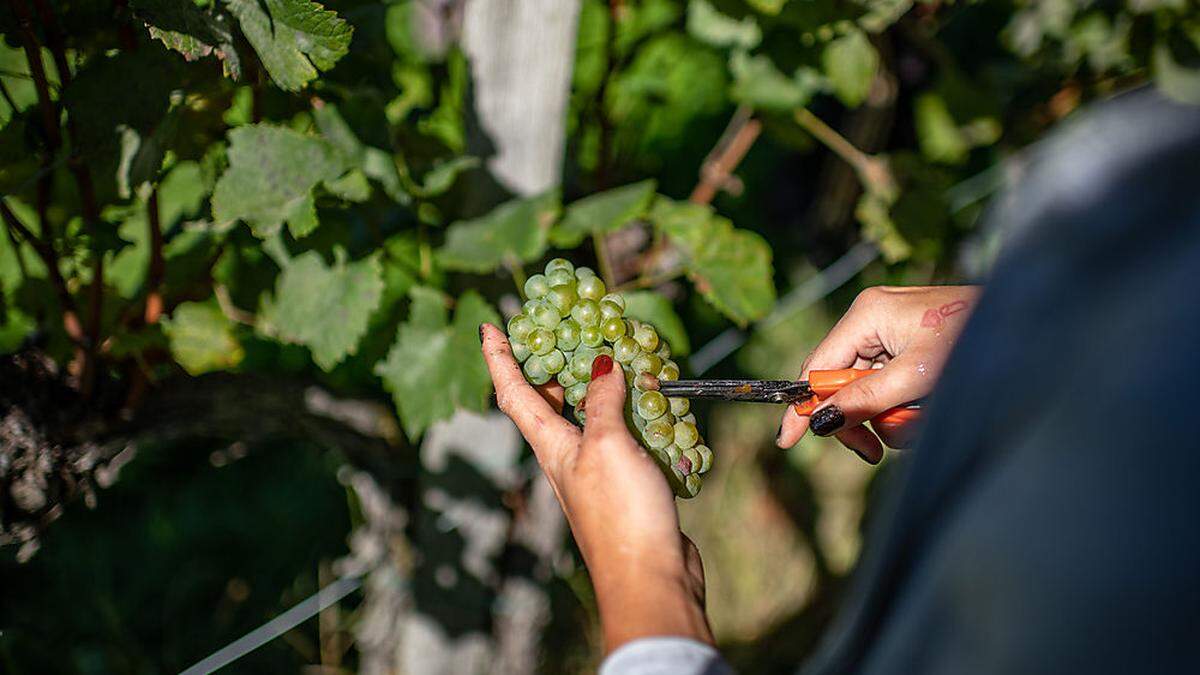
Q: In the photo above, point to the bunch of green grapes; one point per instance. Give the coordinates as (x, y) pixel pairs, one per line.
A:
(568, 320)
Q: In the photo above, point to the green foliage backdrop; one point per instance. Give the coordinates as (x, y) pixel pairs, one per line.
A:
(286, 188)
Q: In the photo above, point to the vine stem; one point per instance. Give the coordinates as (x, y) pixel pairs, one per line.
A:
(602, 259)
(519, 278)
(731, 148)
(158, 265)
(872, 171)
(650, 281)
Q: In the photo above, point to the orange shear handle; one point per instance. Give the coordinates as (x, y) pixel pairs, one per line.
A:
(826, 383)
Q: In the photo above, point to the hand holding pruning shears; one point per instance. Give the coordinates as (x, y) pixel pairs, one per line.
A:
(877, 364)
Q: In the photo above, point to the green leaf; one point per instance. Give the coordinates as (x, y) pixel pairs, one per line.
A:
(441, 177)
(873, 212)
(759, 84)
(516, 231)
(730, 267)
(293, 38)
(190, 30)
(270, 178)
(657, 310)
(325, 308)
(938, 134)
(374, 163)
(201, 338)
(850, 62)
(602, 212)
(435, 367)
(708, 25)
(1177, 79)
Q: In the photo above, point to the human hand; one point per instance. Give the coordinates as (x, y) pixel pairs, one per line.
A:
(648, 577)
(905, 332)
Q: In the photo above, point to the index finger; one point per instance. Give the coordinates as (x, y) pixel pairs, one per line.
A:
(547, 432)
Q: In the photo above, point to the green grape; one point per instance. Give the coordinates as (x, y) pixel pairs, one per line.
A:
(519, 326)
(581, 364)
(616, 299)
(669, 371)
(679, 406)
(541, 341)
(567, 321)
(586, 312)
(591, 288)
(612, 329)
(706, 457)
(536, 286)
(651, 405)
(575, 393)
(610, 310)
(521, 351)
(646, 363)
(658, 434)
(686, 434)
(560, 278)
(567, 335)
(647, 337)
(562, 298)
(560, 264)
(535, 370)
(546, 315)
(590, 336)
(554, 361)
(625, 349)
(566, 378)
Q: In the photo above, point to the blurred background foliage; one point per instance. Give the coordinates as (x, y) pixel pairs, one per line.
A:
(247, 246)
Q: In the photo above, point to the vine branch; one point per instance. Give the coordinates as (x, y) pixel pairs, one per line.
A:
(731, 148)
(158, 266)
(873, 171)
(49, 258)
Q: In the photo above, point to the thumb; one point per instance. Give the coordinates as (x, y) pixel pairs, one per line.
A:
(865, 398)
(605, 400)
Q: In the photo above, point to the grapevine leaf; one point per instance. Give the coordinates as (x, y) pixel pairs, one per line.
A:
(270, 178)
(938, 133)
(1176, 78)
(759, 84)
(441, 177)
(873, 212)
(105, 110)
(435, 368)
(201, 338)
(374, 163)
(850, 63)
(293, 38)
(325, 308)
(602, 212)
(730, 267)
(190, 30)
(516, 231)
(707, 24)
(656, 309)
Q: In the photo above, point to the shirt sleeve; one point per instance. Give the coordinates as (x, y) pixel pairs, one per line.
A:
(665, 656)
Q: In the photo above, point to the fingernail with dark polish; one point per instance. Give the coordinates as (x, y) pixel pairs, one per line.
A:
(827, 420)
(602, 366)
(779, 434)
(480, 333)
(863, 457)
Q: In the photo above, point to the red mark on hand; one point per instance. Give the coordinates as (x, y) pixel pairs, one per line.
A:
(934, 318)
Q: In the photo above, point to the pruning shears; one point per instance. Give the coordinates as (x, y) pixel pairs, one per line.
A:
(803, 395)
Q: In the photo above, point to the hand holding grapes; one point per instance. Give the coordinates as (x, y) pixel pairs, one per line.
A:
(647, 575)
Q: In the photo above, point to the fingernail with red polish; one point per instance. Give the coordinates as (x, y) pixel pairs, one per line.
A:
(603, 365)
(827, 420)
